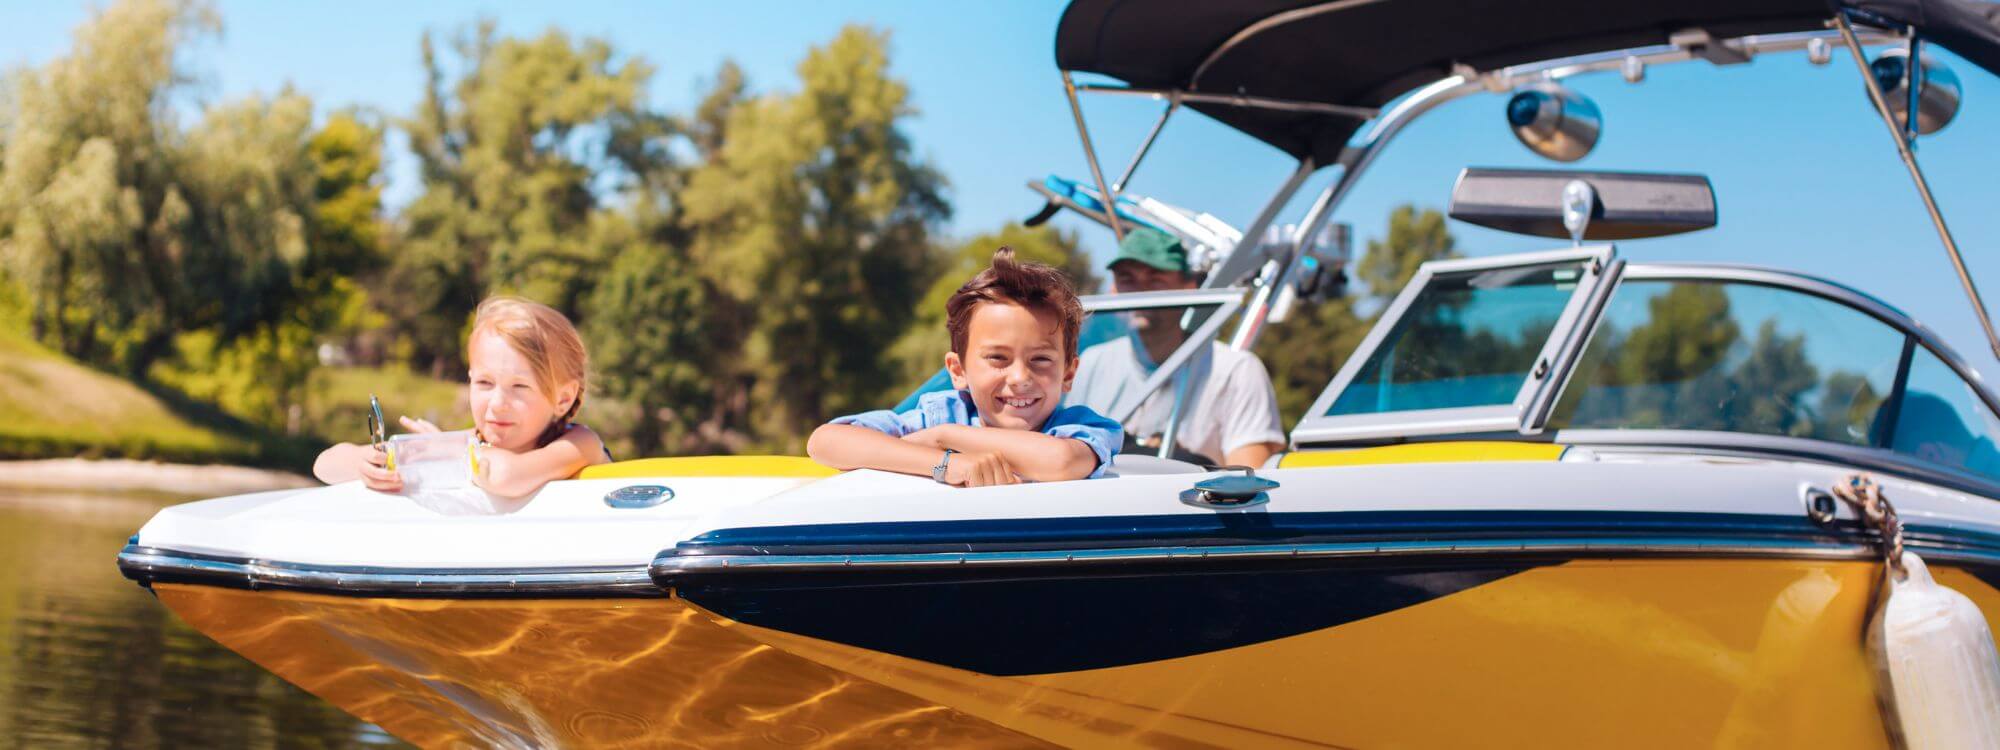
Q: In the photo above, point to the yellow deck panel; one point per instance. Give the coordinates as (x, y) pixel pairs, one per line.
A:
(1424, 453)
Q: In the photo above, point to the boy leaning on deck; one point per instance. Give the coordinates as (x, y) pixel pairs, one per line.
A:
(1014, 331)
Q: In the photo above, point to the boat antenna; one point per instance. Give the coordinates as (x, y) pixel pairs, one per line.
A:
(1905, 138)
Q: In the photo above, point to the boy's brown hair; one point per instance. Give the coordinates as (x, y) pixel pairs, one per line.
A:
(1035, 286)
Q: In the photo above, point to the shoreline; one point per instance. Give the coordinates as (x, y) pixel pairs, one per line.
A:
(127, 475)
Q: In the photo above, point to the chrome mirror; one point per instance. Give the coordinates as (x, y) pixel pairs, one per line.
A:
(1937, 100)
(1554, 121)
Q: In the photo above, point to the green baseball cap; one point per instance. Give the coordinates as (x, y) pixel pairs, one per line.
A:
(1154, 248)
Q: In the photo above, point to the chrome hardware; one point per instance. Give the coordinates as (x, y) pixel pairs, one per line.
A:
(1821, 506)
(1579, 199)
(1818, 52)
(1937, 90)
(1699, 43)
(1554, 121)
(1232, 491)
(1633, 68)
(637, 496)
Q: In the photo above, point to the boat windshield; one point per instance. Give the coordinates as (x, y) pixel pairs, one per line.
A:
(1467, 340)
(1656, 354)
(1708, 355)
(1466, 348)
(1723, 355)
(1941, 419)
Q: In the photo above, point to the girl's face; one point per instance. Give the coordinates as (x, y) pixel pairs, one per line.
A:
(508, 406)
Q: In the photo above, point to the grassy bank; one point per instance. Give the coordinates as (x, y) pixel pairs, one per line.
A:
(53, 407)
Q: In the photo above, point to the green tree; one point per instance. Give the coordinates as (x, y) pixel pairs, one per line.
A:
(1768, 387)
(709, 127)
(1689, 330)
(210, 258)
(816, 215)
(660, 333)
(91, 215)
(293, 214)
(518, 154)
(1413, 239)
(648, 348)
(346, 234)
(1305, 351)
(247, 177)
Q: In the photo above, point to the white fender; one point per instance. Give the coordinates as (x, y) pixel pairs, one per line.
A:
(1941, 674)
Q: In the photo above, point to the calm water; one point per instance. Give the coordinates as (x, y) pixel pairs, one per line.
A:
(88, 659)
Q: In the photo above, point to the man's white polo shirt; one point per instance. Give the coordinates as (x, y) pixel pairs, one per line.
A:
(1231, 403)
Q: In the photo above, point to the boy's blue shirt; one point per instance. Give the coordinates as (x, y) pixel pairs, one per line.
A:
(1103, 435)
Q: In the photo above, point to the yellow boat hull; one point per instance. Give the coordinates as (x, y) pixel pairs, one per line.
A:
(1587, 653)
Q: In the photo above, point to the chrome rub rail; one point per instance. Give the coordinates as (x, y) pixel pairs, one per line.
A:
(670, 565)
(149, 565)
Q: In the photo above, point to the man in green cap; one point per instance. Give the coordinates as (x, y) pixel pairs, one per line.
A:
(1231, 413)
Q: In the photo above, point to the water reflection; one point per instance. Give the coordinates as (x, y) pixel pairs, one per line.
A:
(87, 659)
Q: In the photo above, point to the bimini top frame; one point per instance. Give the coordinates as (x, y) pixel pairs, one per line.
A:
(1333, 83)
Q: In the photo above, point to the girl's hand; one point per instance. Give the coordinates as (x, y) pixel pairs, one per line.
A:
(977, 469)
(489, 465)
(376, 474)
(418, 425)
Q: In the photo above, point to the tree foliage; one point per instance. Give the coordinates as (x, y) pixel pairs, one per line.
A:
(519, 151)
(1413, 238)
(816, 215)
(1688, 363)
(215, 253)
(648, 346)
(92, 215)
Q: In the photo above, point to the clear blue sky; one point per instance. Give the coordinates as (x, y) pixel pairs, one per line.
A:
(1806, 177)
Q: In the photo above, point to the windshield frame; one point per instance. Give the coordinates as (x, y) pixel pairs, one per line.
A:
(1565, 340)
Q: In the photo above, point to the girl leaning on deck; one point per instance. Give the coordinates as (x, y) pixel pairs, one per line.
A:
(525, 386)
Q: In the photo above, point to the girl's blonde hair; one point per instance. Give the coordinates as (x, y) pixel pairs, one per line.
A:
(547, 340)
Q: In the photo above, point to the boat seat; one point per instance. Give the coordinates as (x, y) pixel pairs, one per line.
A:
(1140, 464)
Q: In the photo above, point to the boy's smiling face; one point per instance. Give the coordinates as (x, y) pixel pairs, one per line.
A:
(1014, 365)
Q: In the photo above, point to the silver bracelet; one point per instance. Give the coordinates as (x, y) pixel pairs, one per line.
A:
(943, 465)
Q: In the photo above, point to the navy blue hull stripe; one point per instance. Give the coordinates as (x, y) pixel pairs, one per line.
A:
(1008, 625)
(1020, 620)
(1264, 528)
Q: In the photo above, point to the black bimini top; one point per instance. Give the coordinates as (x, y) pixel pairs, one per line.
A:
(1970, 28)
(1365, 53)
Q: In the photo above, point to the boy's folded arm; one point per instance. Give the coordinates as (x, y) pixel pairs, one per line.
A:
(851, 446)
(1033, 455)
